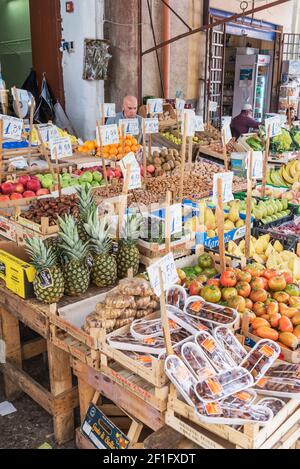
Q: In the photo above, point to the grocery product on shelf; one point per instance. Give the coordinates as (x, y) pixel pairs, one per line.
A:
(286, 176)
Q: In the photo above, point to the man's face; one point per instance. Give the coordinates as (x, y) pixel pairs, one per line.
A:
(130, 109)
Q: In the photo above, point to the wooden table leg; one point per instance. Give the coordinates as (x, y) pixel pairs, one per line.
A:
(60, 382)
(10, 334)
(86, 394)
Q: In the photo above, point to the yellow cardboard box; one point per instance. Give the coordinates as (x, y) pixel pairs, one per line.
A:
(15, 270)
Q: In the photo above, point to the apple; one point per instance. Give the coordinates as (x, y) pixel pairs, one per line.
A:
(110, 173)
(4, 198)
(7, 188)
(16, 196)
(34, 185)
(19, 188)
(151, 169)
(42, 192)
(23, 180)
(29, 195)
(118, 173)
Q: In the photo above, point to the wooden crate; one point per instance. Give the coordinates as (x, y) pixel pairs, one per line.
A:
(151, 252)
(44, 228)
(282, 432)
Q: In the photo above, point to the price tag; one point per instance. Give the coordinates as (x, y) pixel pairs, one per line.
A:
(227, 179)
(213, 106)
(199, 124)
(12, 127)
(128, 159)
(23, 95)
(156, 106)
(226, 132)
(257, 164)
(274, 124)
(151, 126)
(169, 272)
(109, 135)
(176, 219)
(190, 123)
(62, 147)
(135, 178)
(180, 104)
(48, 133)
(109, 110)
(131, 126)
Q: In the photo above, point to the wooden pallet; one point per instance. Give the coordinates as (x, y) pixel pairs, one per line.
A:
(282, 432)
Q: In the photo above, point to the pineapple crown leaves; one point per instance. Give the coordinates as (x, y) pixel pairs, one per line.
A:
(98, 231)
(131, 229)
(42, 257)
(86, 202)
(70, 243)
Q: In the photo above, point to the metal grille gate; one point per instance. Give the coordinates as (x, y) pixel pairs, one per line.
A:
(291, 47)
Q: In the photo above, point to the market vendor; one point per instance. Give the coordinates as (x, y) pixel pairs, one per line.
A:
(242, 123)
(130, 107)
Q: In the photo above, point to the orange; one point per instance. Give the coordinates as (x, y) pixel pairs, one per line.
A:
(134, 148)
(113, 152)
(127, 149)
(134, 141)
(106, 155)
(119, 156)
(128, 142)
(90, 145)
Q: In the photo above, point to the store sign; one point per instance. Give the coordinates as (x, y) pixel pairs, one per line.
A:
(188, 116)
(151, 126)
(227, 179)
(12, 127)
(199, 124)
(169, 274)
(273, 126)
(109, 135)
(109, 110)
(226, 134)
(102, 432)
(155, 106)
(180, 104)
(48, 132)
(61, 148)
(131, 126)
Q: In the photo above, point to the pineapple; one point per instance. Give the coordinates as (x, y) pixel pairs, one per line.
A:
(104, 271)
(128, 254)
(87, 206)
(75, 254)
(49, 280)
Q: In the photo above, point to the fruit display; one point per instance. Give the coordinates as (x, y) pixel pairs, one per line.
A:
(255, 143)
(264, 211)
(61, 134)
(163, 162)
(128, 256)
(290, 228)
(177, 139)
(282, 143)
(25, 187)
(51, 209)
(286, 176)
(232, 220)
(193, 278)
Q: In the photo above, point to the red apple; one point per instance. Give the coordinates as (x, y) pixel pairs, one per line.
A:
(42, 192)
(29, 195)
(110, 173)
(151, 169)
(34, 185)
(118, 173)
(23, 180)
(19, 188)
(7, 188)
(4, 198)
(16, 196)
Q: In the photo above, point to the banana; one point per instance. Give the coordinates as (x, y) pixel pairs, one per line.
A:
(286, 176)
(293, 169)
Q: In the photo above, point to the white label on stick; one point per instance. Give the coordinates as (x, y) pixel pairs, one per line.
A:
(273, 125)
(151, 126)
(135, 181)
(176, 218)
(190, 116)
(199, 124)
(169, 273)
(227, 179)
(155, 106)
(180, 104)
(226, 133)
(129, 159)
(257, 164)
(131, 126)
(12, 127)
(48, 133)
(61, 148)
(109, 135)
(109, 110)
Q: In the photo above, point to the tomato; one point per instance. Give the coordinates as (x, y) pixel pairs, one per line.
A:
(249, 303)
(269, 273)
(210, 272)
(292, 290)
(243, 276)
(258, 295)
(205, 261)
(294, 301)
(228, 293)
(195, 288)
(281, 297)
(259, 308)
(211, 293)
(214, 281)
(238, 303)
(243, 289)
(272, 307)
(228, 279)
(255, 270)
(277, 283)
(274, 319)
(288, 278)
(259, 282)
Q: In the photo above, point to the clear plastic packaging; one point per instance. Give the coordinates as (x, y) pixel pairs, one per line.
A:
(245, 397)
(230, 344)
(214, 352)
(142, 329)
(285, 370)
(216, 413)
(191, 323)
(196, 361)
(260, 359)
(209, 312)
(279, 387)
(181, 377)
(176, 296)
(275, 405)
(224, 384)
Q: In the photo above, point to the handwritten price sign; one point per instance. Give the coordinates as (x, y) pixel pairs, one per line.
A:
(109, 110)
(131, 126)
(151, 126)
(226, 133)
(273, 125)
(190, 116)
(61, 147)
(12, 127)
(169, 273)
(227, 179)
(155, 106)
(257, 164)
(48, 133)
(180, 104)
(109, 135)
(199, 124)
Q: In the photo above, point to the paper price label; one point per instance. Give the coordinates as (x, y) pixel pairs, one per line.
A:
(169, 273)
(273, 125)
(213, 106)
(180, 104)
(151, 126)
(176, 218)
(257, 164)
(61, 147)
(109, 135)
(190, 116)
(129, 159)
(155, 106)
(226, 133)
(131, 126)
(227, 179)
(109, 110)
(48, 133)
(199, 124)
(135, 178)
(12, 127)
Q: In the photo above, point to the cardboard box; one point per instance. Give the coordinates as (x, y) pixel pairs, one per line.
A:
(15, 270)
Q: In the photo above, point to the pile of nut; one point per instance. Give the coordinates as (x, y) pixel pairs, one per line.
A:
(51, 209)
